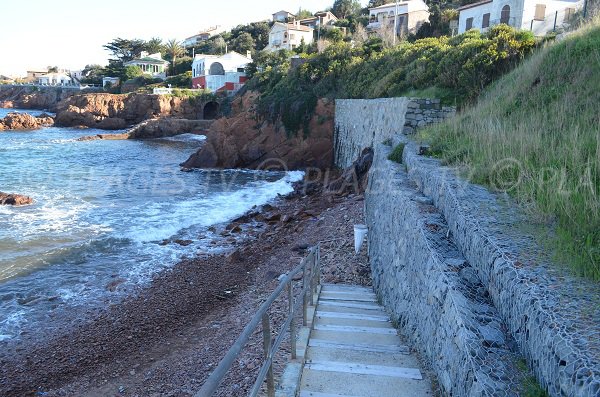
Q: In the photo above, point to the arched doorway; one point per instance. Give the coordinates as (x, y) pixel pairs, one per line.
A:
(505, 14)
(211, 110)
(216, 69)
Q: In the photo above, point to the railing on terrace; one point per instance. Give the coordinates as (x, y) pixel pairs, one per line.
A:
(69, 86)
(310, 267)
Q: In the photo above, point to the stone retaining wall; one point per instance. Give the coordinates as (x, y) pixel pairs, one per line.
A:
(554, 317)
(362, 123)
(432, 292)
(423, 111)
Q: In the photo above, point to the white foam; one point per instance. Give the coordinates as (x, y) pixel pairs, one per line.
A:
(186, 138)
(164, 220)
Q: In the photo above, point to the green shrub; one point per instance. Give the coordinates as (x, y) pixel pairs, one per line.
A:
(460, 66)
(396, 154)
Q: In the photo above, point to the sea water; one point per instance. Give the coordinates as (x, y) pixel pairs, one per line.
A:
(102, 212)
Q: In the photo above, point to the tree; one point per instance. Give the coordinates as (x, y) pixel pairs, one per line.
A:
(92, 74)
(376, 3)
(155, 45)
(124, 50)
(244, 42)
(218, 45)
(173, 49)
(303, 14)
(344, 8)
(182, 65)
(52, 69)
(131, 72)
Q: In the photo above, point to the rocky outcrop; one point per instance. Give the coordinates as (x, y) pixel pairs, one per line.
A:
(14, 199)
(240, 141)
(30, 97)
(24, 121)
(156, 128)
(117, 111)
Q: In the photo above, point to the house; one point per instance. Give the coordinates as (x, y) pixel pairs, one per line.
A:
(539, 16)
(283, 16)
(202, 36)
(59, 78)
(288, 36)
(152, 64)
(411, 15)
(220, 72)
(34, 75)
(322, 19)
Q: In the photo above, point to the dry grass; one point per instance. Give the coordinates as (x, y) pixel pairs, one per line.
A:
(535, 133)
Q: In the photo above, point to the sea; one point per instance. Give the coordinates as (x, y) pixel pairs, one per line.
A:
(105, 211)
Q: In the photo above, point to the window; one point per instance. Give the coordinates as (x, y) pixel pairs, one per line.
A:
(292, 36)
(569, 13)
(486, 21)
(469, 24)
(505, 14)
(540, 12)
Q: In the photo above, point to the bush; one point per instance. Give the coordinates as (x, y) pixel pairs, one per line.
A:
(396, 154)
(183, 80)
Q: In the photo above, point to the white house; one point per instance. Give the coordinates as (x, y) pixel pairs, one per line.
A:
(283, 16)
(411, 15)
(539, 16)
(202, 36)
(55, 79)
(152, 64)
(323, 19)
(220, 72)
(288, 36)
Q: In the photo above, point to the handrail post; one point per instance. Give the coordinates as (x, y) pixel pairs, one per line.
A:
(312, 278)
(304, 296)
(266, 325)
(293, 322)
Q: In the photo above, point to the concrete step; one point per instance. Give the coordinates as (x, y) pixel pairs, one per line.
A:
(341, 354)
(352, 310)
(319, 379)
(360, 347)
(366, 321)
(345, 288)
(353, 329)
(353, 305)
(355, 337)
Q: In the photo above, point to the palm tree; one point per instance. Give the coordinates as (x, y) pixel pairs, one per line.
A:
(174, 49)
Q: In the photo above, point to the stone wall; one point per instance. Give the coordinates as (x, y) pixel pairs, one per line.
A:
(362, 123)
(432, 292)
(553, 316)
(422, 112)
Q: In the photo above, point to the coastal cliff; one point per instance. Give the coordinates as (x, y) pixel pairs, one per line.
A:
(244, 141)
(118, 111)
(31, 97)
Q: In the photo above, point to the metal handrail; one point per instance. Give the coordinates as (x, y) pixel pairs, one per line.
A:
(311, 269)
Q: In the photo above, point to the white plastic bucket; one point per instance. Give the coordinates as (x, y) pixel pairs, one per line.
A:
(360, 231)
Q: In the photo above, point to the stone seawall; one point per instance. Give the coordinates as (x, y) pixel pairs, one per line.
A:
(362, 123)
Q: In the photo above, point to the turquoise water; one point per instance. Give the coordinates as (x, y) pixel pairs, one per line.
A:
(101, 210)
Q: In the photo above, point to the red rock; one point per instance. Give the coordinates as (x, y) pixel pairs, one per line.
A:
(14, 199)
(239, 141)
(24, 121)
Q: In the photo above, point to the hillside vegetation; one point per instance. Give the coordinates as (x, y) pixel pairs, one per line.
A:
(536, 134)
(453, 68)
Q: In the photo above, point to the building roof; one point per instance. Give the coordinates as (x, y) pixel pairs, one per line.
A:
(283, 11)
(146, 60)
(473, 5)
(229, 55)
(292, 26)
(412, 5)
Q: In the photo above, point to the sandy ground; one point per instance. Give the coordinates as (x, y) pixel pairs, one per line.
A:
(165, 339)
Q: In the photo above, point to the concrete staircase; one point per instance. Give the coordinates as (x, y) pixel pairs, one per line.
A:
(354, 351)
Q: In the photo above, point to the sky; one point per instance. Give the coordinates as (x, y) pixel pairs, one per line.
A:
(70, 33)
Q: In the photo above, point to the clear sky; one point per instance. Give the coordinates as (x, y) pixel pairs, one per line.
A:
(70, 33)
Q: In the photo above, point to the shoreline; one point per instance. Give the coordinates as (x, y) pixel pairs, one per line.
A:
(169, 313)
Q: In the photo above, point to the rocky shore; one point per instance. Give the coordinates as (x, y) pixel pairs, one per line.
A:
(166, 338)
(24, 121)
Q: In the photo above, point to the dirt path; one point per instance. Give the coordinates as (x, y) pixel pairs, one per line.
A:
(165, 340)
